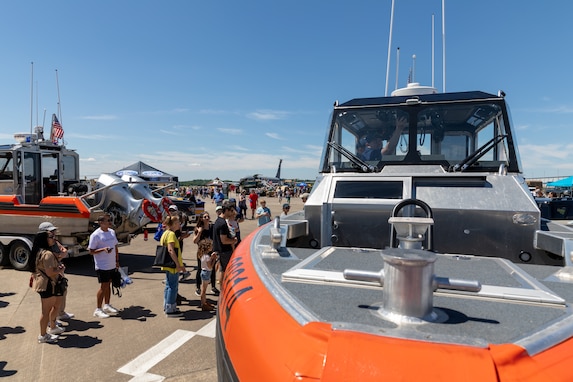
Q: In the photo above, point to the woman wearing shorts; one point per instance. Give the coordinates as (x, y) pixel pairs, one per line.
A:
(48, 271)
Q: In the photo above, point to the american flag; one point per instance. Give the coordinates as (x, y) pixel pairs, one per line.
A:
(57, 130)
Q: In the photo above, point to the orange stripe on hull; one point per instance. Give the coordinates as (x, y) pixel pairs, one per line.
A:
(56, 206)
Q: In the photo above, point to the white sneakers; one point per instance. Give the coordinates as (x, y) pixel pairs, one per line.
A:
(47, 339)
(109, 309)
(105, 311)
(100, 313)
(65, 316)
(57, 330)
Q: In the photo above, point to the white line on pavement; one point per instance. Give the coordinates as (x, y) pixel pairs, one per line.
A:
(139, 366)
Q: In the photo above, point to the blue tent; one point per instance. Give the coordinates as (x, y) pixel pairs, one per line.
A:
(566, 182)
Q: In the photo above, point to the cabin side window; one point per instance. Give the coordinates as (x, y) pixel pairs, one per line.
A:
(368, 190)
(6, 174)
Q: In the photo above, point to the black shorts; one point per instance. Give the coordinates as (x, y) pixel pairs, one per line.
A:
(224, 258)
(49, 292)
(104, 276)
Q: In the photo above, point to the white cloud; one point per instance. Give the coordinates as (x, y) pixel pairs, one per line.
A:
(273, 136)
(168, 132)
(230, 131)
(267, 115)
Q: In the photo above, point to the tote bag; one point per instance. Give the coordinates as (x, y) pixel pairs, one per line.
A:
(163, 258)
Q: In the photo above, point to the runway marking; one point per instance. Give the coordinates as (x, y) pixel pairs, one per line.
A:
(139, 366)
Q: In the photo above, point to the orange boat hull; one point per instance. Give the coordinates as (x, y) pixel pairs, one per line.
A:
(258, 340)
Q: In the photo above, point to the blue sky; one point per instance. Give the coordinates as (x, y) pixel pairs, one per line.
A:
(205, 89)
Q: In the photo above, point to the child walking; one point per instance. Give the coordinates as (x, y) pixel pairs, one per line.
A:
(208, 259)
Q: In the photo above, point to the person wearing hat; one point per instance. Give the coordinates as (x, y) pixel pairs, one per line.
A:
(374, 149)
(61, 252)
(286, 209)
(181, 233)
(304, 197)
(47, 270)
(263, 213)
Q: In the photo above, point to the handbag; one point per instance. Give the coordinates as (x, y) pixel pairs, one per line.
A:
(60, 286)
(163, 258)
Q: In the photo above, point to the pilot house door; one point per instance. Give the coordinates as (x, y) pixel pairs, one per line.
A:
(31, 178)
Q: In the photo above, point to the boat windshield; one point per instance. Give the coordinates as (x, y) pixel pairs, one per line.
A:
(460, 136)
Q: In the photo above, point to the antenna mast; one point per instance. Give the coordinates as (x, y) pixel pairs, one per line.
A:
(389, 48)
(59, 105)
(397, 66)
(32, 99)
(433, 56)
(444, 44)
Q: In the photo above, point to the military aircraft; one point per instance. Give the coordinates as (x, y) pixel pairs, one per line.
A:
(260, 181)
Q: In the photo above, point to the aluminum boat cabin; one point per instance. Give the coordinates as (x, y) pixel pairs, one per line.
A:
(419, 255)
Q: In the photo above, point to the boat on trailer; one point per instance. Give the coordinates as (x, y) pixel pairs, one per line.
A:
(430, 262)
(40, 181)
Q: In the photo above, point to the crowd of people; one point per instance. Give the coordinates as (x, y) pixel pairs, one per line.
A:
(215, 242)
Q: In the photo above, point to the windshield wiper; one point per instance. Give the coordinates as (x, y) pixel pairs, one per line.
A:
(365, 167)
(476, 155)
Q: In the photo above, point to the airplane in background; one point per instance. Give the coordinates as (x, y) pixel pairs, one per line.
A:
(258, 181)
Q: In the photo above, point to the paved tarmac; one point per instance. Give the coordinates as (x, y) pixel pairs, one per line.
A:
(137, 344)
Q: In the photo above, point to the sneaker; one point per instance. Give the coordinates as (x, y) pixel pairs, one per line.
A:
(65, 316)
(100, 313)
(175, 313)
(198, 292)
(47, 339)
(57, 330)
(58, 323)
(109, 309)
(215, 291)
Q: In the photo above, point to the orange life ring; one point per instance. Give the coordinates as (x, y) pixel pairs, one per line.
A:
(151, 210)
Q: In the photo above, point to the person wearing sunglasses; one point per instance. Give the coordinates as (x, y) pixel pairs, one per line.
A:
(47, 270)
(103, 246)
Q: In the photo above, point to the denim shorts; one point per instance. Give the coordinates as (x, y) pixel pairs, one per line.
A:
(206, 275)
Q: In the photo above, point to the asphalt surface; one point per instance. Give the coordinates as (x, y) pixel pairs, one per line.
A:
(137, 344)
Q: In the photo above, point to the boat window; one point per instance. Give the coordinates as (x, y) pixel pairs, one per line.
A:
(70, 167)
(369, 190)
(363, 133)
(6, 165)
(445, 133)
(32, 178)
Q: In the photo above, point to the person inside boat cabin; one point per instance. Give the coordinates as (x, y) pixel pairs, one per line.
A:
(374, 148)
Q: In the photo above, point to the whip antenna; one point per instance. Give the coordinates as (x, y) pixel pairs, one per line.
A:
(433, 49)
(397, 65)
(59, 105)
(389, 48)
(32, 99)
(444, 44)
